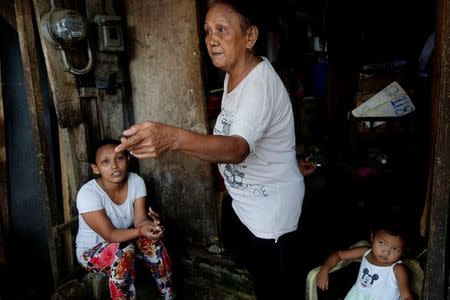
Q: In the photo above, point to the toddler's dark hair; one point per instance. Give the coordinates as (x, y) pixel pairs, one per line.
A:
(98, 145)
(394, 225)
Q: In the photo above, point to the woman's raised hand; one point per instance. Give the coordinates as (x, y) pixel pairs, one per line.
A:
(147, 139)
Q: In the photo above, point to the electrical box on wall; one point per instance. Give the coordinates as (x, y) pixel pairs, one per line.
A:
(63, 27)
(109, 33)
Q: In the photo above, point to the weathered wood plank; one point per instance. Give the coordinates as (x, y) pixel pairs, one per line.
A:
(62, 83)
(68, 225)
(67, 214)
(73, 151)
(108, 79)
(109, 103)
(24, 17)
(74, 156)
(437, 260)
(73, 160)
(4, 214)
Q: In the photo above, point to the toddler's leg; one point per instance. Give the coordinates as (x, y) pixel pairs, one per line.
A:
(157, 259)
(117, 261)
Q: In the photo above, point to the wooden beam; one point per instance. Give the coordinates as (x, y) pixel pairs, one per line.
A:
(4, 211)
(73, 158)
(66, 201)
(109, 105)
(437, 260)
(67, 226)
(62, 83)
(72, 133)
(24, 19)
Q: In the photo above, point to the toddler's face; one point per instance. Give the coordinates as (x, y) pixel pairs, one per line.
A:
(386, 248)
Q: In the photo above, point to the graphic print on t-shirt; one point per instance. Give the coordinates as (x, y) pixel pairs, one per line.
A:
(234, 175)
(367, 279)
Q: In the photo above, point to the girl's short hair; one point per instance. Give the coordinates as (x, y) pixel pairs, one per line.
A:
(98, 145)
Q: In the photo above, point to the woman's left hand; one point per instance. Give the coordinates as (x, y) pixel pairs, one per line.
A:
(152, 231)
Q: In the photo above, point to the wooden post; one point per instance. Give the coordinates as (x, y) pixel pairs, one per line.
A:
(66, 200)
(436, 283)
(4, 215)
(72, 132)
(28, 51)
(109, 105)
(62, 84)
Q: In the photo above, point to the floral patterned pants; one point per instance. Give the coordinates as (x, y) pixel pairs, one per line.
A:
(117, 261)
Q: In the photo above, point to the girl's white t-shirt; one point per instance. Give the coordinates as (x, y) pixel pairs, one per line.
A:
(267, 187)
(92, 197)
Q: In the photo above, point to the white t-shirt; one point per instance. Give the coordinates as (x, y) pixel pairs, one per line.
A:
(267, 188)
(91, 197)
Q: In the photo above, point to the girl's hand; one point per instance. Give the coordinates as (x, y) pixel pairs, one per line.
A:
(322, 280)
(151, 231)
(154, 216)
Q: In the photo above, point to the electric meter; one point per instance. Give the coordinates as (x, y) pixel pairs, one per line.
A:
(63, 27)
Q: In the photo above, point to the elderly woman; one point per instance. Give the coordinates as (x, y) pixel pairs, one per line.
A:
(253, 143)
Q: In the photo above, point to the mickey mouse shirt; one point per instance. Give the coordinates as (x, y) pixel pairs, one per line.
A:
(374, 282)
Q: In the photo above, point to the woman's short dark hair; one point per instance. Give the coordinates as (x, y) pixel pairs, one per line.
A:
(252, 13)
(247, 9)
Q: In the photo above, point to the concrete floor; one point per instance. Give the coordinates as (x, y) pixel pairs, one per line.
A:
(201, 276)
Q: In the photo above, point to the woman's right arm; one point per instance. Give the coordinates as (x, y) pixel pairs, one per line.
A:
(152, 139)
(101, 224)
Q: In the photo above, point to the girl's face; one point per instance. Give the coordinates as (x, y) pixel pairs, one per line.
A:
(111, 166)
(225, 41)
(386, 248)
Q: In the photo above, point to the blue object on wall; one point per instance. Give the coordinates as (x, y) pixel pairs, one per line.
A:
(319, 81)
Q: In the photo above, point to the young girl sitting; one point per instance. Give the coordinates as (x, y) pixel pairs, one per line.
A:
(382, 276)
(114, 225)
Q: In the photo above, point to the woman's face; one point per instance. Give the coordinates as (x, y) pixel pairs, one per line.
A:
(111, 166)
(225, 41)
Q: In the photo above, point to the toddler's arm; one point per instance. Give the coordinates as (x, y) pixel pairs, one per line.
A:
(332, 260)
(401, 274)
(322, 276)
